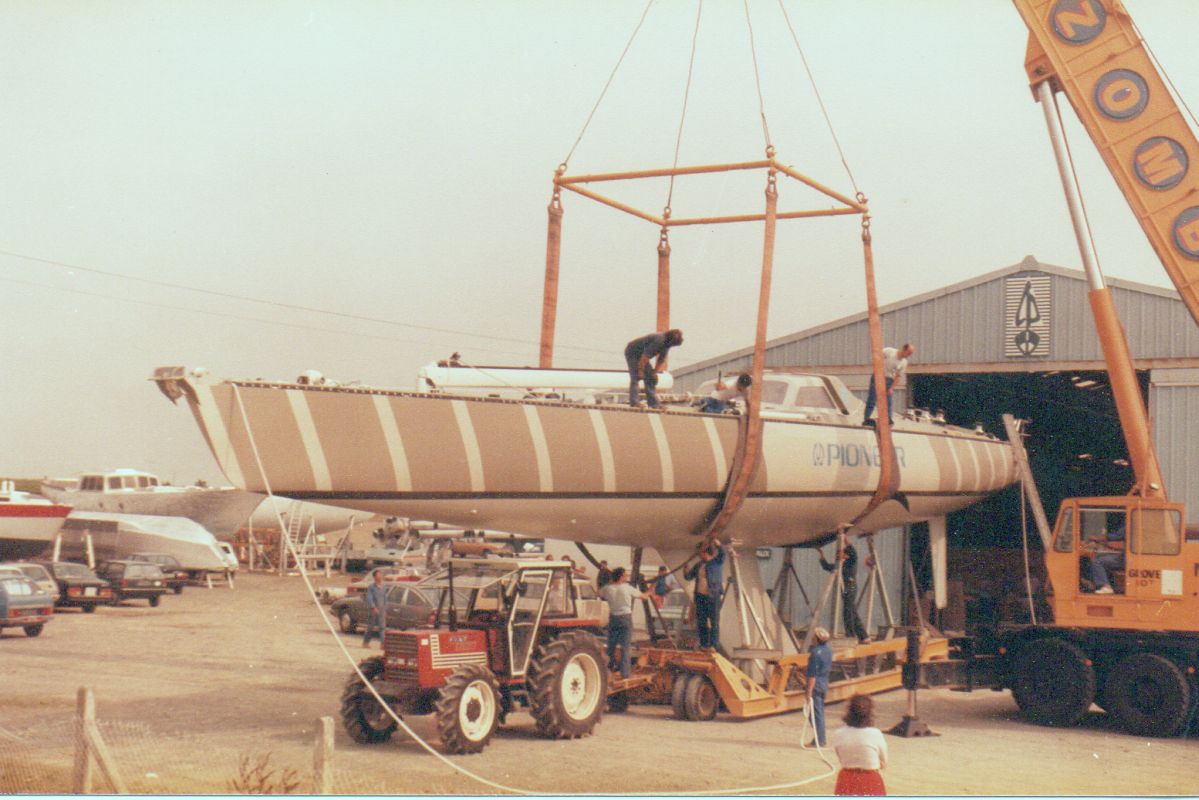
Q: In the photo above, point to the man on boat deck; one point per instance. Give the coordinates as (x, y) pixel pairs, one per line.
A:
(637, 355)
(722, 397)
(894, 364)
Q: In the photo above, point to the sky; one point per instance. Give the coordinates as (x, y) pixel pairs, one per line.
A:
(262, 188)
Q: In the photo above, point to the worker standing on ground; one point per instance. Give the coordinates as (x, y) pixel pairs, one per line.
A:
(820, 663)
(708, 574)
(861, 749)
(894, 364)
(849, 592)
(620, 597)
(376, 609)
(722, 397)
(637, 355)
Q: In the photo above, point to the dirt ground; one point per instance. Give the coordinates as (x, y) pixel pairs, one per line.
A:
(185, 690)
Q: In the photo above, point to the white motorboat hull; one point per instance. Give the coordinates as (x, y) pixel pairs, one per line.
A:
(27, 529)
(222, 512)
(582, 472)
(117, 536)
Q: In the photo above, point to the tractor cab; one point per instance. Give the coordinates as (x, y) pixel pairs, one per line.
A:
(504, 633)
(1117, 561)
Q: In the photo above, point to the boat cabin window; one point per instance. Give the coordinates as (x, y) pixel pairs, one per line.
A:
(91, 483)
(816, 396)
(774, 392)
(143, 481)
(114, 481)
(1156, 531)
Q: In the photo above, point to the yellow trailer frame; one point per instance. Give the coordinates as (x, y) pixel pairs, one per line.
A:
(661, 675)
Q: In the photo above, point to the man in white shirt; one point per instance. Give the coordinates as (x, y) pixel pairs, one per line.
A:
(620, 597)
(894, 364)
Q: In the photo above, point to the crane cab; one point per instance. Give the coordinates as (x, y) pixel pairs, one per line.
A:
(1124, 562)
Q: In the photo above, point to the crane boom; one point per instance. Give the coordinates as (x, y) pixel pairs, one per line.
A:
(1090, 51)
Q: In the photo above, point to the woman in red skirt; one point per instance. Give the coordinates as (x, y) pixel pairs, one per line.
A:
(861, 749)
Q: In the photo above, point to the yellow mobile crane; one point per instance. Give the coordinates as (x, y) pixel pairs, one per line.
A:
(1130, 643)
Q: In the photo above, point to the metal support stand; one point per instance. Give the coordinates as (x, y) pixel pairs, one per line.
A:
(911, 725)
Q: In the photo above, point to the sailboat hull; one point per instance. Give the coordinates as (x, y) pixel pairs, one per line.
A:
(575, 471)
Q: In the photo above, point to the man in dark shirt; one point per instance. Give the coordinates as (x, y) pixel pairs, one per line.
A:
(708, 574)
(637, 355)
(849, 591)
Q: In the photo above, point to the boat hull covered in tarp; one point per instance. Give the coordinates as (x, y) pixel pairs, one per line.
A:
(591, 473)
(116, 536)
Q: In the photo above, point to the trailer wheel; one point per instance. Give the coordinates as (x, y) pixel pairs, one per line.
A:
(34, 630)
(364, 719)
(678, 694)
(700, 699)
(468, 709)
(345, 621)
(1054, 684)
(568, 680)
(1148, 695)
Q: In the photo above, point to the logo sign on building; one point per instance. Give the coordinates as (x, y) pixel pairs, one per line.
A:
(1027, 308)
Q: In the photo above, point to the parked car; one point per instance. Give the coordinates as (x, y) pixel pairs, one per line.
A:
(78, 586)
(407, 607)
(39, 575)
(133, 580)
(390, 575)
(24, 604)
(174, 573)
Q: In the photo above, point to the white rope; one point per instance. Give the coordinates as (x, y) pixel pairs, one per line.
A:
(411, 733)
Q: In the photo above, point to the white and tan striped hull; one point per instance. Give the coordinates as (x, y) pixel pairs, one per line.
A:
(600, 474)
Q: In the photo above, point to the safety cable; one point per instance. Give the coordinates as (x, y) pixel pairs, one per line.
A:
(276, 303)
(819, 100)
(399, 720)
(600, 99)
(1165, 75)
(678, 142)
(758, 81)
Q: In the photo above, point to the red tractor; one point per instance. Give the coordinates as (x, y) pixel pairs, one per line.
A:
(503, 633)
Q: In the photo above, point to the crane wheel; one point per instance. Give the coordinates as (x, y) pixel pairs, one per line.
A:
(678, 695)
(568, 684)
(700, 699)
(468, 709)
(364, 719)
(1147, 695)
(1054, 684)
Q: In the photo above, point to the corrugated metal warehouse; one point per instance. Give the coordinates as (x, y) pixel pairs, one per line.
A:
(1021, 340)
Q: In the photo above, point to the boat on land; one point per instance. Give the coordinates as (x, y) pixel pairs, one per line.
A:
(223, 511)
(28, 522)
(220, 510)
(587, 471)
(117, 536)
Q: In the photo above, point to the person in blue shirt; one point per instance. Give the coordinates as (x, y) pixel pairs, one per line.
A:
(376, 609)
(708, 574)
(820, 662)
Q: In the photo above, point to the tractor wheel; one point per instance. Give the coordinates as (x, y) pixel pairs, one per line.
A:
(1148, 695)
(34, 630)
(618, 703)
(468, 709)
(345, 621)
(155, 600)
(700, 699)
(678, 695)
(568, 681)
(364, 719)
(1054, 684)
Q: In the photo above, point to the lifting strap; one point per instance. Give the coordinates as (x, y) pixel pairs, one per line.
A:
(749, 437)
(888, 479)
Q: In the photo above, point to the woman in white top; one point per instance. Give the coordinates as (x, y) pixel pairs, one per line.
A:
(861, 749)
